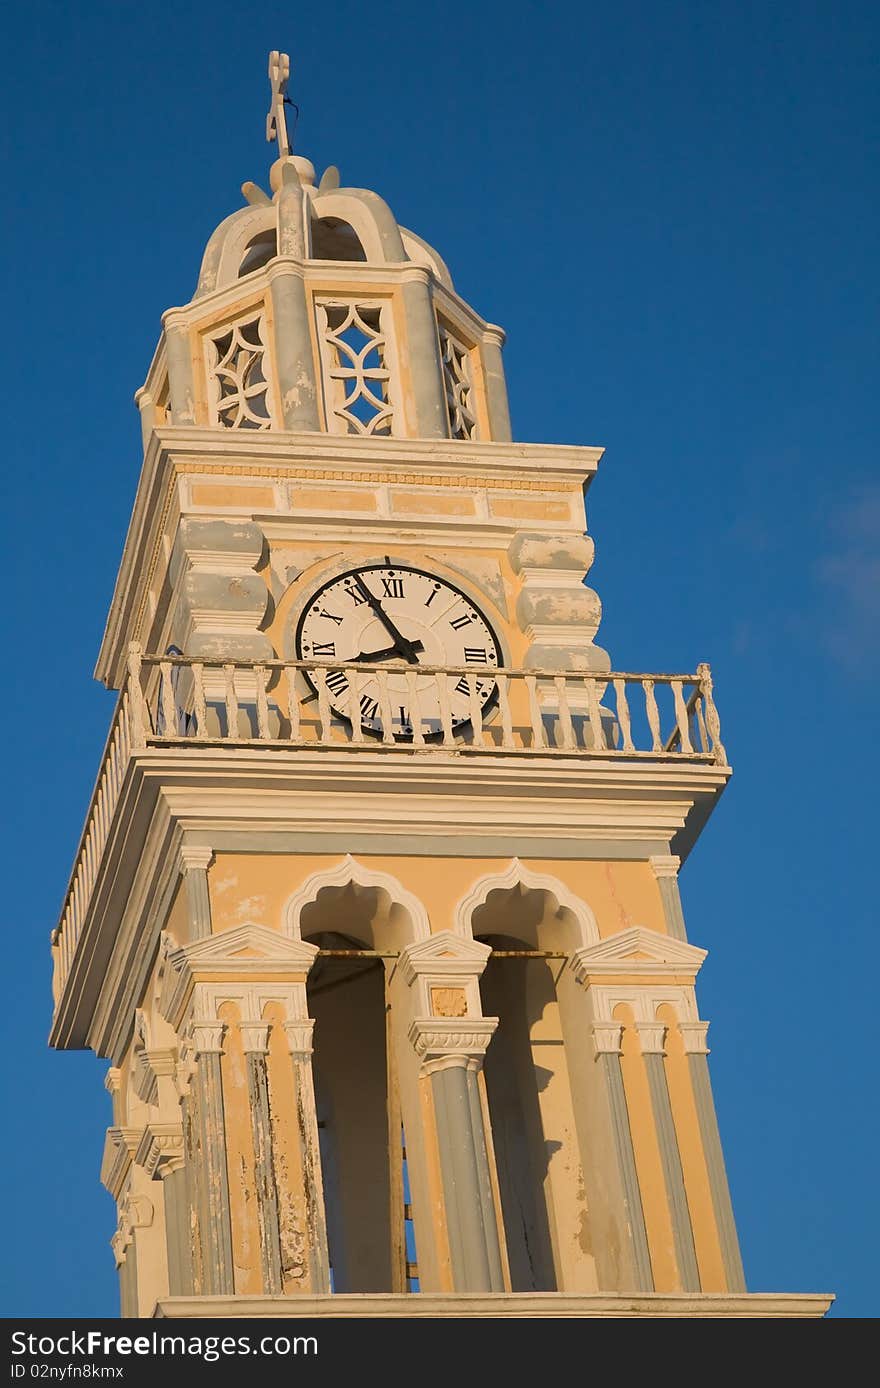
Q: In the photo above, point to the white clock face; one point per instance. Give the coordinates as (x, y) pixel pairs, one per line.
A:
(394, 615)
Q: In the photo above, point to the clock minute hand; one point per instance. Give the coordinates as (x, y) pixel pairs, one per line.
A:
(401, 645)
(386, 653)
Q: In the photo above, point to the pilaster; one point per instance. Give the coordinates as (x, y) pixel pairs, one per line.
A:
(694, 1035)
(651, 1037)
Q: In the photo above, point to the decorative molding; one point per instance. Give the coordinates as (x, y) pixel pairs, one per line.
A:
(254, 1037)
(651, 1037)
(518, 875)
(443, 954)
(160, 1151)
(194, 855)
(238, 955)
(350, 870)
(120, 1146)
(206, 1038)
(665, 864)
(300, 1037)
(638, 951)
(458, 1038)
(693, 1034)
(607, 1037)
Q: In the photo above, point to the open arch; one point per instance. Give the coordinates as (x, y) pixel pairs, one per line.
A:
(526, 1072)
(398, 918)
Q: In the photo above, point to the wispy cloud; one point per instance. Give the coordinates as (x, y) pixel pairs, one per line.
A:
(850, 569)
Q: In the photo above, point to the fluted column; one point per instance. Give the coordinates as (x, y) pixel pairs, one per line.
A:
(299, 1039)
(607, 1043)
(195, 860)
(665, 868)
(215, 1233)
(161, 1154)
(255, 1042)
(651, 1036)
(694, 1036)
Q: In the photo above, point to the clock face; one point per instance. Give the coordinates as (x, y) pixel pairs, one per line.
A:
(394, 615)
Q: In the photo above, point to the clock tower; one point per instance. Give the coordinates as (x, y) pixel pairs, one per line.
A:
(375, 912)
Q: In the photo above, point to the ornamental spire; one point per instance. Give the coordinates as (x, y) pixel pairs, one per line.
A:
(276, 120)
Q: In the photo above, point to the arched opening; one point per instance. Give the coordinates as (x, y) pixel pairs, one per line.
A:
(334, 239)
(258, 252)
(369, 1229)
(527, 1084)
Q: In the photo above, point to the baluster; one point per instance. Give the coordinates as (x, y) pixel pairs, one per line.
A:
(653, 715)
(101, 808)
(231, 702)
(701, 721)
(324, 711)
(124, 735)
(535, 714)
(713, 722)
(475, 709)
(595, 713)
(138, 711)
(623, 715)
(262, 703)
(166, 695)
(415, 711)
(565, 723)
(504, 703)
(292, 703)
(200, 707)
(445, 708)
(385, 707)
(681, 718)
(354, 704)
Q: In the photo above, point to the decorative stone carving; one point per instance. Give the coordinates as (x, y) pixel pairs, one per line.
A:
(558, 614)
(238, 376)
(160, 1151)
(457, 383)
(460, 1038)
(220, 600)
(357, 375)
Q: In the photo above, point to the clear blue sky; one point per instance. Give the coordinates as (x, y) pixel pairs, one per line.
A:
(673, 210)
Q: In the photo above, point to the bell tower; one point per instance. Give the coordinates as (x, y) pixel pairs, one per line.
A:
(375, 912)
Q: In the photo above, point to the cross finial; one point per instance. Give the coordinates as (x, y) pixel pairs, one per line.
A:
(276, 121)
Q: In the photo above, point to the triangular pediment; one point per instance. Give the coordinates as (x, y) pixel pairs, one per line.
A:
(444, 953)
(246, 944)
(640, 947)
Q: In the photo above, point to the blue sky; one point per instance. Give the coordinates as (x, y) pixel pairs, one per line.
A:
(673, 211)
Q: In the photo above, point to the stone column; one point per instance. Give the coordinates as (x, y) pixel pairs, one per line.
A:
(181, 386)
(651, 1036)
(294, 357)
(215, 1233)
(194, 863)
(665, 868)
(606, 1039)
(451, 1051)
(694, 1036)
(161, 1155)
(496, 384)
(425, 413)
(255, 1041)
(299, 1038)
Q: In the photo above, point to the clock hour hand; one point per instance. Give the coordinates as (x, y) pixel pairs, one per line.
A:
(387, 653)
(401, 646)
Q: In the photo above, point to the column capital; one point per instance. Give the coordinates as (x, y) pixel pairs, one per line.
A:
(694, 1036)
(665, 864)
(160, 1151)
(207, 1037)
(194, 855)
(254, 1037)
(300, 1036)
(651, 1037)
(607, 1037)
(452, 1040)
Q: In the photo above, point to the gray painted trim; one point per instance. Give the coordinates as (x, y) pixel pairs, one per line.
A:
(317, 1249)
(128, 1296)
(671, 898)
(673, 1176)
(609, 1061)
(176, 1232)
(705, 1104)
(461, 1184)
(578, 849)
(487, 1204)
(422, 351)
(294, 362)
(214, 1213)
(267, 1197)
(199, 902)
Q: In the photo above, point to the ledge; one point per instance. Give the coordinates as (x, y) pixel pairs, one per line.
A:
(678, 1305)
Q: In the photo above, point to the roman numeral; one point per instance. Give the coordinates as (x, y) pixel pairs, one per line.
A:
(460, 622)
(474, 655)
(356, 596)
(434, 591)
(324, 648)
(369, 707)
(463, 687)
(330, 616)
(392, 587)
(404, 716)
(337, 680)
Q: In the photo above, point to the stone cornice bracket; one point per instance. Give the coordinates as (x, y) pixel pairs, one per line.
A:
(639, 952)
(194, 855)
(652, 1036)
(160, 1151)
(120, 1148)
(693, 1035)
(665, 864)
(443, 1041)
(607, 1037)
(300, 1037)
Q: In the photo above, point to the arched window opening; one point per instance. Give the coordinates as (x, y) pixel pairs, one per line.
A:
(333, 239)
(529, 1095)
(363, 1155)
(260, 250)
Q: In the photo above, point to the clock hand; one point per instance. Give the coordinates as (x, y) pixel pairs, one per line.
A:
(386, 653)
(401, 645)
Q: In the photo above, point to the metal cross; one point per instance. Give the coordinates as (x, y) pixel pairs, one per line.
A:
(276, 121)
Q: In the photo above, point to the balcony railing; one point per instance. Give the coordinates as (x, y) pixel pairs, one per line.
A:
(174, 701)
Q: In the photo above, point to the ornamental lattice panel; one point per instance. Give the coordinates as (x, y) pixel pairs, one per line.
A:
(457, 384)
(356, 364)
(238, 376)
